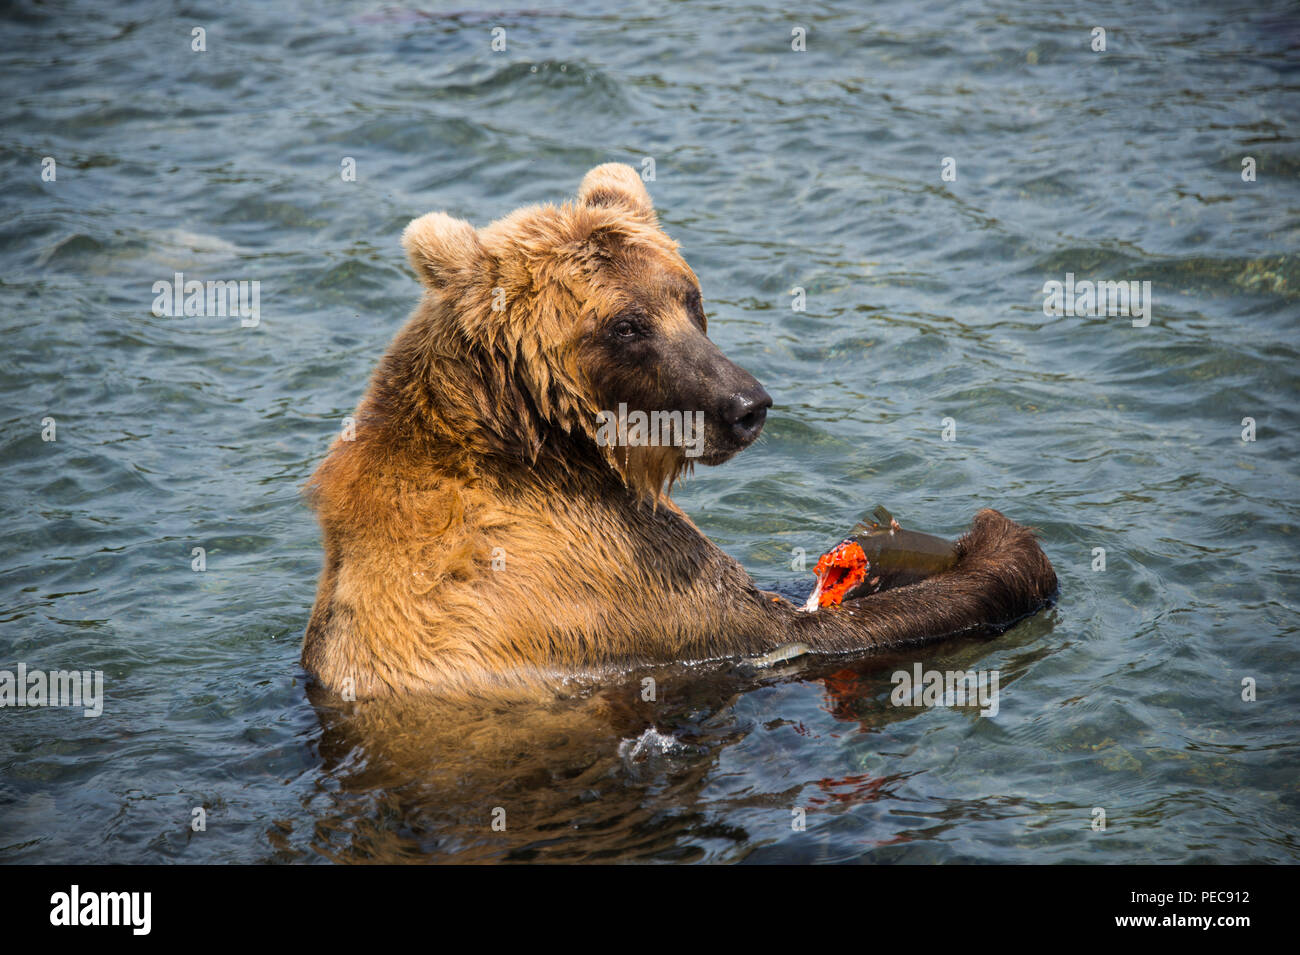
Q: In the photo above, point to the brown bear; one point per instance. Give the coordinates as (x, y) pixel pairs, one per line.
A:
(482, 536)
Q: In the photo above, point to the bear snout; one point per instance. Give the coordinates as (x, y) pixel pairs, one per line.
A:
(746, 412)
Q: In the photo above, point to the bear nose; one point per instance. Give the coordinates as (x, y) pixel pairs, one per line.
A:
(747, 412)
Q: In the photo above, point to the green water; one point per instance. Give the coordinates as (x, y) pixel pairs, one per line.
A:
(774, 169)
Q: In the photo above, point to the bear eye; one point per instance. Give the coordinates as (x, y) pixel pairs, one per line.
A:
(695, 307)
(625, 329)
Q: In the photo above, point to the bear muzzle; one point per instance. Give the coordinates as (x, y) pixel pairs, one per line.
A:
(745, 414)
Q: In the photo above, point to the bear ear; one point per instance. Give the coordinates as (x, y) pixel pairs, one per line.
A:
(444, 251)
(615, 184)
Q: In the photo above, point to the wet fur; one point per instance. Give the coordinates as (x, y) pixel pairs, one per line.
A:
(477, 433)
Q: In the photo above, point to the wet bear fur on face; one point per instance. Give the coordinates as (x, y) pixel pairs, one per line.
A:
(480, 541)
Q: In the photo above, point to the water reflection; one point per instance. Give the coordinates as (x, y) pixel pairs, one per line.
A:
(599, 774)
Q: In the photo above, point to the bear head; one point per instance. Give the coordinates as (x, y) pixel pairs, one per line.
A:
(586, 320)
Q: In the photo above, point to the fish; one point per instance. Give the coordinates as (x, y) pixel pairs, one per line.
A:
(879, 555)
(784, 654)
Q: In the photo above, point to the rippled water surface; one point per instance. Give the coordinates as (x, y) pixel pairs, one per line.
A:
(774, 169)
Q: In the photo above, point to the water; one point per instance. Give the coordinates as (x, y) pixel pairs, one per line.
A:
(774, 169)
